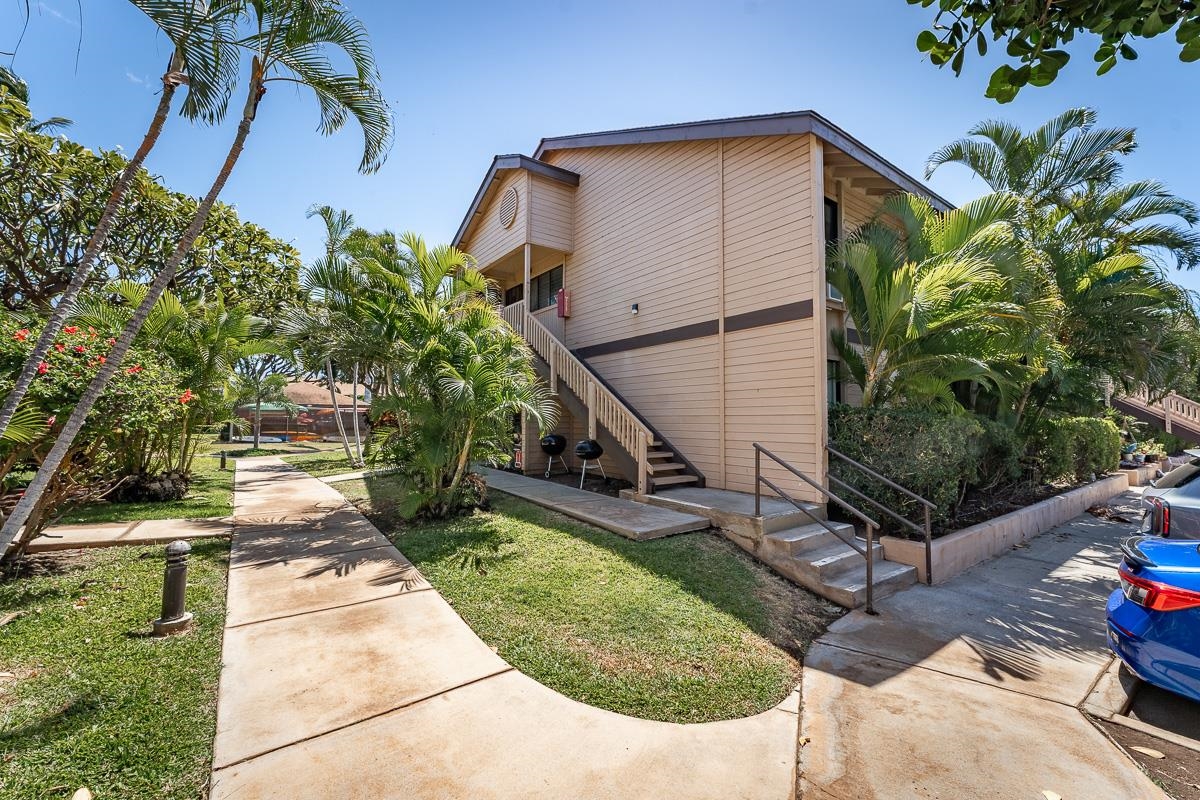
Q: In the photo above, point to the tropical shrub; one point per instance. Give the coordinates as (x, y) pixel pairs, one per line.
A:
(130, 432)
(933, 454)
(1077, 448)
(460, 373)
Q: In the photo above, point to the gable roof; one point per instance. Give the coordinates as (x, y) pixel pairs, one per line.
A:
(506, 163)
(790, 122)
(787, 123)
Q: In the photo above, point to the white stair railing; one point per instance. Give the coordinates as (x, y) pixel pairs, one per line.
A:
(604, 407)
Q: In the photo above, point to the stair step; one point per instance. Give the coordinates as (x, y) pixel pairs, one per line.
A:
(668, 467)
(805, 538)
(850, 588)
(826, 562)
(656, 443)
(673, 480)
(660, 454)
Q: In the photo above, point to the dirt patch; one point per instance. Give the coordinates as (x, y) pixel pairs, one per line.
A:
(1178, 771)
(44, 565)
(795, 616)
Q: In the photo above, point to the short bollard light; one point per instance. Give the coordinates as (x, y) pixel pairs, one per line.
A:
(174, 618)
(223, 457)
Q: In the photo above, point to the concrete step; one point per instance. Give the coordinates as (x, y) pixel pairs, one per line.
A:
(734, 511)
(656, 468)
(834, 559)
(803, 538)
(850, 588)
(674, 480)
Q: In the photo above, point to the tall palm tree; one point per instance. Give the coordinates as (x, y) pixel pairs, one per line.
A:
(929, 300)
(287, 41)
(205, 60)
(1093, 251)
(259, 381)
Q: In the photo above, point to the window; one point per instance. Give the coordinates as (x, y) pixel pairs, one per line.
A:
(833, 381)
(514, 294)
(543, 290)
(833, 234)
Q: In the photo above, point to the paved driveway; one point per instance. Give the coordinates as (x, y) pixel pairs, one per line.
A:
(969, 689)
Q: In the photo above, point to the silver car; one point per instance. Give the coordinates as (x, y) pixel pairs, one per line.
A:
(1172, 503)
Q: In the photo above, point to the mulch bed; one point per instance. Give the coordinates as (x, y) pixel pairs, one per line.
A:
(606, 486)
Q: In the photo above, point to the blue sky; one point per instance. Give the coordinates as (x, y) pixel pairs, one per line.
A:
(468, 80)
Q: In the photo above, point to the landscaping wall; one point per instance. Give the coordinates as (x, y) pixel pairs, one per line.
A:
(965, 548)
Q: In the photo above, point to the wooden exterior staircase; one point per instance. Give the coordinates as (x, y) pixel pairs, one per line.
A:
(1173, 413)
(652, 459)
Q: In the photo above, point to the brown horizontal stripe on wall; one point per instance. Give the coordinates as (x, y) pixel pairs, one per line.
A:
(852, 336)
(698, 330)
(788, 312)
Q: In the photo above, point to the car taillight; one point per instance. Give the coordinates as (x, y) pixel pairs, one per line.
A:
(1156, 596)
(1159, 516)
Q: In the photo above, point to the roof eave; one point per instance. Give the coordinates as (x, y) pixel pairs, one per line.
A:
(790, 123)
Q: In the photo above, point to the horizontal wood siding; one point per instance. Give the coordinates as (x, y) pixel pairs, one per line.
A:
(490, 240)
(646, 232)
(552, 214)
(674, 386)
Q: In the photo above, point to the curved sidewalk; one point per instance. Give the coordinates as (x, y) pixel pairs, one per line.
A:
(346, 675)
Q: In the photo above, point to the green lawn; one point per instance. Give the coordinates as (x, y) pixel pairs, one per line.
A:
(685, 629)
(330, 462)
(210, 495)
(87, 698)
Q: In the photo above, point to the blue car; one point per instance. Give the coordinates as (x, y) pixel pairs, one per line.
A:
(1154, 618)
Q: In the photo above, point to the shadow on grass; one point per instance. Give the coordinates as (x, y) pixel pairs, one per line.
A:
(702, 564)
(72, 716)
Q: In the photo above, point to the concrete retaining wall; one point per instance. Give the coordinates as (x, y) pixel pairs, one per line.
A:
(1141, 476)
(963, 549)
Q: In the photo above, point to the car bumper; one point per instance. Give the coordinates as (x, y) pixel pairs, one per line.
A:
(1154, 646)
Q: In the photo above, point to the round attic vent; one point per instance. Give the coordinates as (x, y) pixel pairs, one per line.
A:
(508, 207)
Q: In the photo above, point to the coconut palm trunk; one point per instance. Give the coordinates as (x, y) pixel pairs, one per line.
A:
(62, 445)
(337, 412)
(171, 80)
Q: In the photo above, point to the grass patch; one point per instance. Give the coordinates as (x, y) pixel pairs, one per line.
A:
(210, 495)
(683, 629)
(319, 465)
(86, 698)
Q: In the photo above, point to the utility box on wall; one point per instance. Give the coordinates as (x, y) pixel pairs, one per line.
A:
(564, 303)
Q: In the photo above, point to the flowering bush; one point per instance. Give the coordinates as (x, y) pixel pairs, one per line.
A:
(131, 430)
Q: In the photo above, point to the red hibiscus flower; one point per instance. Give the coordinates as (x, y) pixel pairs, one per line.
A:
(60, 347)
(186, 397)
(70, 329)
(101, 359)
(43, 368)
(134, 370)
(79, 348)
(50, 420)
(111, 341)
(21, 335)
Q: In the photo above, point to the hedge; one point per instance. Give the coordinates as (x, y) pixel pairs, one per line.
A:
(1077, 448)
(932, 454)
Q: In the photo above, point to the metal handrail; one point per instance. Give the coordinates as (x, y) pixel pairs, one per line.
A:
(868, 552)
(928, 506)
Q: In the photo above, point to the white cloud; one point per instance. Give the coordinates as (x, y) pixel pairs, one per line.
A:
(54, 12)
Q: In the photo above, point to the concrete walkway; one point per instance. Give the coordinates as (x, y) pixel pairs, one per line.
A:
(346, 675)
(624, 517)
(971, 688)
(111, 534)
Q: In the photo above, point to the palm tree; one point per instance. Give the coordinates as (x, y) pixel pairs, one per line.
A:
(929, 300)
(1093, 252)
(459, 371)
(258, 381)
(204, 60)
(287, 42)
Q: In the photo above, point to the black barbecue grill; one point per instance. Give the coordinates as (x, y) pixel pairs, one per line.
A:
(589, 450)
(553, 445)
